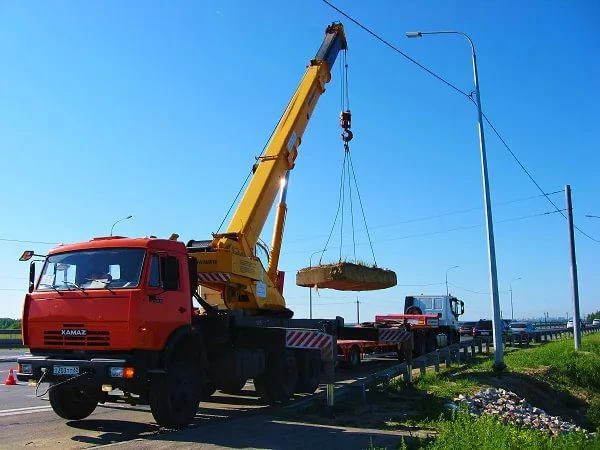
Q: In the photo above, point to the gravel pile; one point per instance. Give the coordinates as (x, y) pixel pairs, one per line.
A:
(509, 408)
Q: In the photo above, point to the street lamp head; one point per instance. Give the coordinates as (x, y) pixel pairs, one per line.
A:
(414, 34)
(129, 217)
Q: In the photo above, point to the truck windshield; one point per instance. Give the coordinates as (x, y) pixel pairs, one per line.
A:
(115, 268)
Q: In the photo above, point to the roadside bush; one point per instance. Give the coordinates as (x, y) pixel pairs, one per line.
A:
(593, 412)
(487, 433)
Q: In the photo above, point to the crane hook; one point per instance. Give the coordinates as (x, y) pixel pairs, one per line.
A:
(345, 123)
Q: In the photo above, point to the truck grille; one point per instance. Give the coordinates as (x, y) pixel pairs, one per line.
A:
(93, 338)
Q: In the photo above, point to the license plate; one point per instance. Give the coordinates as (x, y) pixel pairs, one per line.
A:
(65, 370)
(485, 333)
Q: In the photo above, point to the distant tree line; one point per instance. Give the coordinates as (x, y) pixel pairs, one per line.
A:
(9, 324)
(593, 316)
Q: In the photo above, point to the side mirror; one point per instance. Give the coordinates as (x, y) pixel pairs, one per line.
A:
(462, 308)
(169, 268)
(31, 276)
(27, 255)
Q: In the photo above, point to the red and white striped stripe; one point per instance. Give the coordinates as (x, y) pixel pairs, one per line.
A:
(213, 277)
(311, 339)
(393, 335)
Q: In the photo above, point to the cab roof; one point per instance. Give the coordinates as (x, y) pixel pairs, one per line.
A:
(121, 242)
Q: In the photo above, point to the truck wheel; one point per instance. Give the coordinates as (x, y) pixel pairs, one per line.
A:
(309, 374)
(174, 397)
(354, 357)
(278, 383)
(72, 403)
(420, 345)
(233, 386)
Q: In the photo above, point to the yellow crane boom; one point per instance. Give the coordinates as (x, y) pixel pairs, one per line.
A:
(236, 271)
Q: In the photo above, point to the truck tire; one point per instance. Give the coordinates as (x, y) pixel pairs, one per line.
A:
(278, 383)
(233, 386)
(309, 373)
(72, 402)
(175, 396)
(354, 357)
(420, 345)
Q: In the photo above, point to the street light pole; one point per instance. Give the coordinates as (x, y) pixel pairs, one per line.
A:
(512, 311)
(120, 220)
(310, 287)
(449, 268)
(496, 319)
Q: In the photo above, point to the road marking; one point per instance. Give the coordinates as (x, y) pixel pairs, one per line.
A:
(19, 411)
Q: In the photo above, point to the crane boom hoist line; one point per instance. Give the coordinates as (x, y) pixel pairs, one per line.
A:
(228, 263)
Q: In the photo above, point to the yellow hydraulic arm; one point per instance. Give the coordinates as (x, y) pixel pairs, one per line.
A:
(232, 253)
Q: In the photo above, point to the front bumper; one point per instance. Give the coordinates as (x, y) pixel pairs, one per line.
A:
(97, 370)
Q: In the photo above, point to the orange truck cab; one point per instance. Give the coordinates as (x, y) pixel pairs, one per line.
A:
(118, 313)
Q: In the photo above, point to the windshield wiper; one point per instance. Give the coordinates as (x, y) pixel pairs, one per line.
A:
(106, 284)
(68, 283)
(51, 286)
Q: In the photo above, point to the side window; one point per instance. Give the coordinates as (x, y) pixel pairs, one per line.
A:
(154, 280)
(114, 271)
(438, 303)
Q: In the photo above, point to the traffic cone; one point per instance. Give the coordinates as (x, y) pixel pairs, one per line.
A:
(10, 379)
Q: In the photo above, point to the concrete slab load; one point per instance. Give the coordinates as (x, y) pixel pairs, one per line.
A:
(345, 276)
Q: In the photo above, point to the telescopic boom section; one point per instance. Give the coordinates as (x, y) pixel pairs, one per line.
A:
(281, 152)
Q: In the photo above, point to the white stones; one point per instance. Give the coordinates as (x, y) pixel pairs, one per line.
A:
(509, 408)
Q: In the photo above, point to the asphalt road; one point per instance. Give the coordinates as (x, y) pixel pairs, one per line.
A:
(26, 420)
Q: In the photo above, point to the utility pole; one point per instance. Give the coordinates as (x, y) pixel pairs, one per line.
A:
(574, 283)
(357, 311)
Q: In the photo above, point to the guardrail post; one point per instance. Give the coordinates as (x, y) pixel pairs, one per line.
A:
(436, 361)
(479, 347)
(330, 395)
(422, 367)
(447, 358)
(408, 374)
(487, 347)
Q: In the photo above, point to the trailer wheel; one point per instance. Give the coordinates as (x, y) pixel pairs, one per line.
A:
(232, 386)
(174, 397)
(354, 357)
(420, 345)
(72, 402)
(279, 381)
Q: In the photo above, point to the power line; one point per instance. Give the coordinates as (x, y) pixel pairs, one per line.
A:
(467, 227)
(474, 292)
(397, 50)
(448, 230)
(460, 91)
(28, 242)
(531, 177)
(443, 214)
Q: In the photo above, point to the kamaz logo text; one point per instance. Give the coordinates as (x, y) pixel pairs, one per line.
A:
(73, 332)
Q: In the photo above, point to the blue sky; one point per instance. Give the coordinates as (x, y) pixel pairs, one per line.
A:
(110, 109)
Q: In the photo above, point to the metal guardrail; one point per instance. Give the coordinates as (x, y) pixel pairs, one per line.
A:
(10, 342)
(456, 353)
